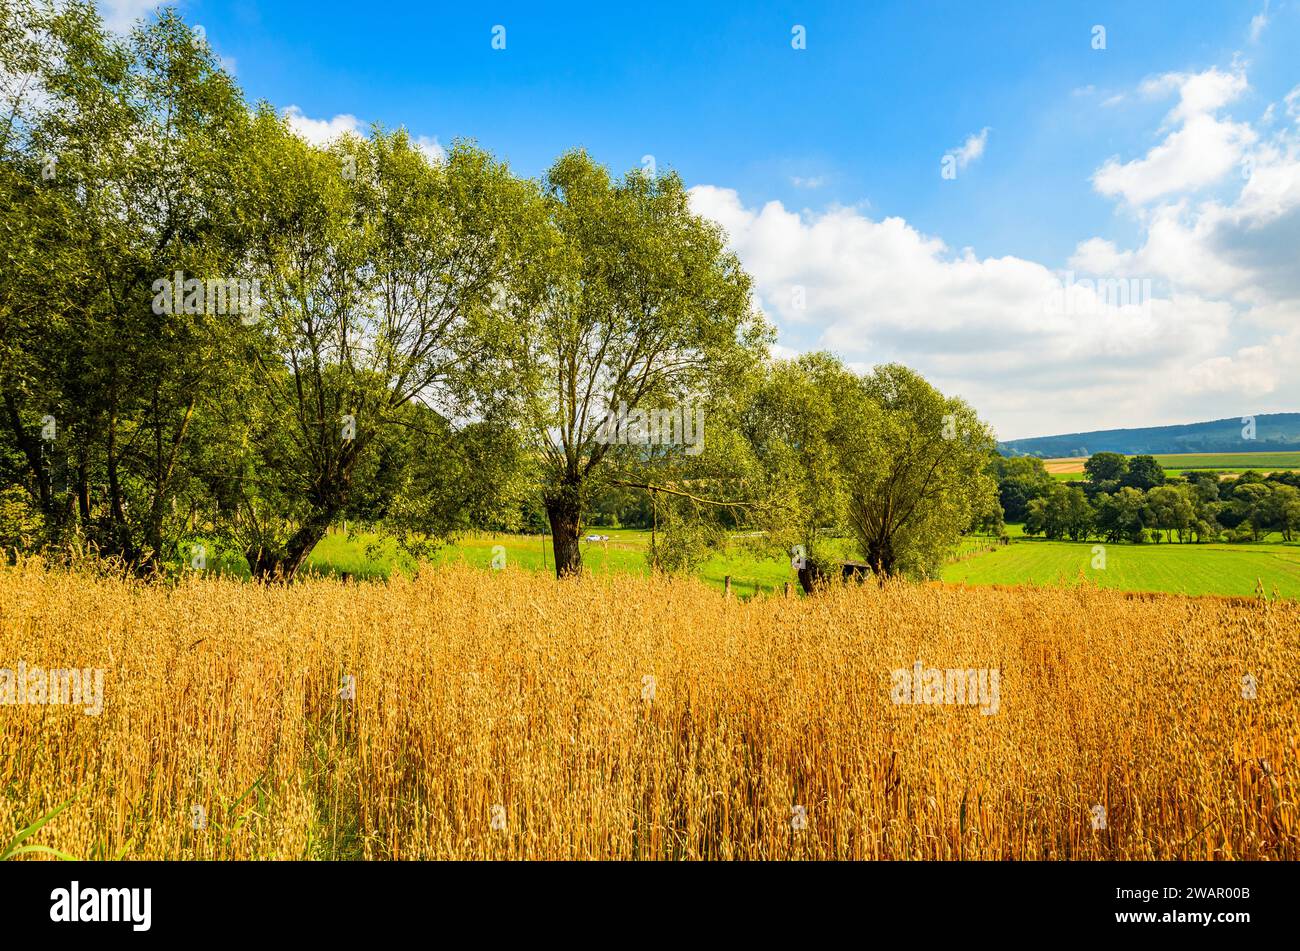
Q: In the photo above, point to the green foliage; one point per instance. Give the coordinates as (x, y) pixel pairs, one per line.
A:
(792, 422)
(1020, 479)
(913, 461)
(1121, 516)
(1063, 513)
(1143, 473)
(427, 348)
(626, 301)
(21, 525)
(1103, 467)
(682, 543)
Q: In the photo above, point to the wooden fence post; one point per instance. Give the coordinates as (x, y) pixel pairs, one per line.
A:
(727, 586)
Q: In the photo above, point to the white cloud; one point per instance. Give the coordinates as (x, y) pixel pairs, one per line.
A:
(120, 15)
(1213, 332)
(321, 131)
(1292, 100)
(816, 181)
(1202, 93)
(1197, 155)
(1241, 249)
(1257, 24)
(432, 148)
(1194, 156)
(1001, 332)
(972, 148)
(1250, 372)
(1098, 256)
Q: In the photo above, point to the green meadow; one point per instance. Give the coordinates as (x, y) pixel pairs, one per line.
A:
(1234, 461)
(1225, 569)
(1173, 568)
(364, 555)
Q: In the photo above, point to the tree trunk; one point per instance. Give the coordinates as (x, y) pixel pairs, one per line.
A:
(33, 451)
(282, 564)
(811, 577)
(83, 490)
(303, 541)
(880, 556)
(565, 517)
(119, 527)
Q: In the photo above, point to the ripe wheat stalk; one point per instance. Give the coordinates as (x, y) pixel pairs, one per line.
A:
(506, 715)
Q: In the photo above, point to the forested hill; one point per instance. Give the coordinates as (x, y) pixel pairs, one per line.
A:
(1273, 432)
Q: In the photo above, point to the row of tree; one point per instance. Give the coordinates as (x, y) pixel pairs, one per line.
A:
(1124, 499)
(211, 328)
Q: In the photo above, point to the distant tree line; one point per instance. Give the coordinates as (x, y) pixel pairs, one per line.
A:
(1132, 499)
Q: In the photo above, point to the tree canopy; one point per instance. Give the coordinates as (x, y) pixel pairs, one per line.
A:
(215, 333)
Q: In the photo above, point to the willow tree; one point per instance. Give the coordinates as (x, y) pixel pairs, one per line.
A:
(378, 268)
(121, 172)
(632, 312)
(912, 461)
(794, 420)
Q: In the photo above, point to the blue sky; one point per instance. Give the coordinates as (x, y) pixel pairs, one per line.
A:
(848, 136)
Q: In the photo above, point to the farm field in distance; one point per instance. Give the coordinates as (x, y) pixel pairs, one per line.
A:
(1069, 469)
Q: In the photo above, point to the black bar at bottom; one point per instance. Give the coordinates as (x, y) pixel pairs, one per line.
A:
(933, 901)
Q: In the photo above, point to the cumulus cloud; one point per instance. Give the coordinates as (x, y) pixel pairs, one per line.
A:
(998, 331)
(1242, 248)
(321, 131)
(1198, 93)
(1200, 152)
(1099, 256)
(1250, 372)
(1199, 318)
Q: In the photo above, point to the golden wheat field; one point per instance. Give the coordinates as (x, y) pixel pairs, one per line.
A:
(505, 715)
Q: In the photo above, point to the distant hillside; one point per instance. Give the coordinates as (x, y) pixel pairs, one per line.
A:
(1273, 432)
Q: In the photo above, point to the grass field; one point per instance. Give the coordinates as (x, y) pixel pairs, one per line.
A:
(505, 715)
(1071, 469)
(370, 556)
(1175, 568)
